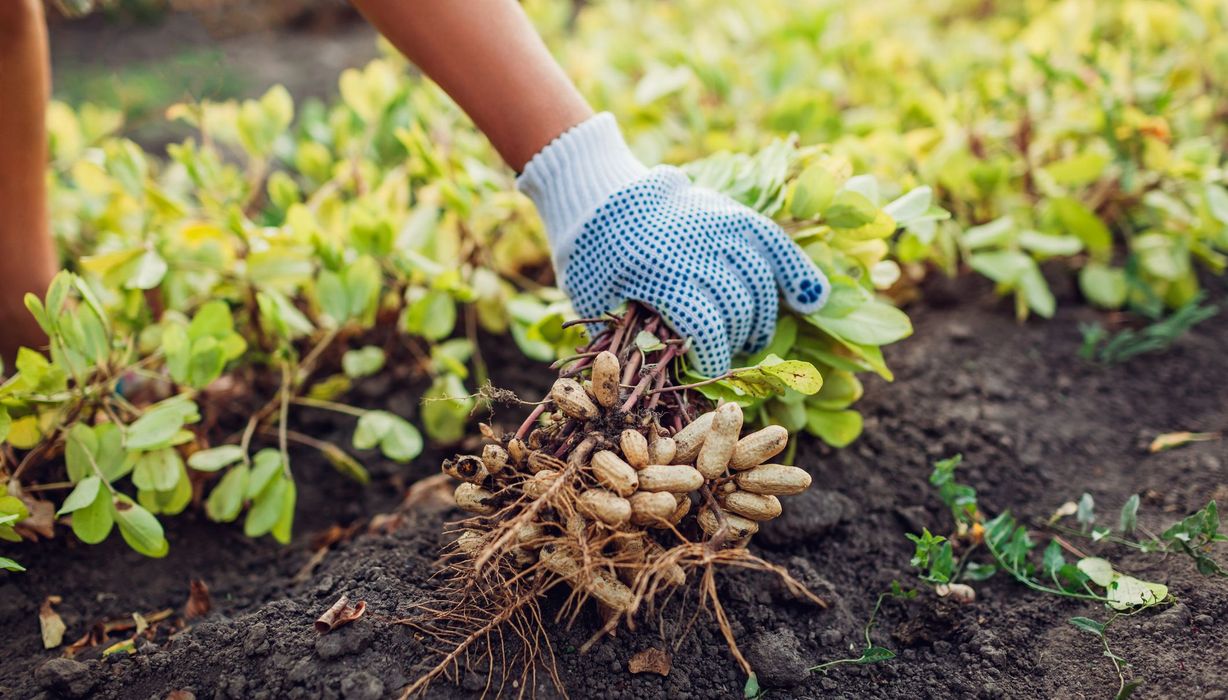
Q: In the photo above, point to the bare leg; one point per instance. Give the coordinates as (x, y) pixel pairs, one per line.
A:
(27, 254)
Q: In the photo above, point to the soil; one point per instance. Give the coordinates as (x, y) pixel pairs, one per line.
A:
(1036, 426)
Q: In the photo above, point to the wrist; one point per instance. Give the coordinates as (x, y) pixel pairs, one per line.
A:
(574, 175)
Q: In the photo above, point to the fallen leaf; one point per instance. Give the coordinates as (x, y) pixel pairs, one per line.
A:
(180, 695)
(433, 490)
(651, 660)
(141, 623)
(339, 614)
(199, 602)
(1167, 441)
(1065, 510)
(41, 520)
(51, 624)
(385, 523)
(128, 646)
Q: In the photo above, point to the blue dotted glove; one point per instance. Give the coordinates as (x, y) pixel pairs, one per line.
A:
(714, 269)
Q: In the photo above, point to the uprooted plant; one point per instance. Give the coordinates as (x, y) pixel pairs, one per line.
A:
(620, 488)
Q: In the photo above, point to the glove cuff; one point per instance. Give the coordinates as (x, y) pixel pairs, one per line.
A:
(574, 175)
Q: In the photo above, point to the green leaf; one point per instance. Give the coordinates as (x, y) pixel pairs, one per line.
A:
(10, 565)
(285, 519)
(1048, 244)
(798, 375)
(147, 272)
(266, 508)
(751, 690)
(1129, 515)
(345, 464)
(870, 323)
(397, 438)
(911, 205)
(1098, 570)
(1079, 169)
(1082, 222)
(1127, 592)
(5, 423)
(812, 192)
(445, 409)
(1053, 560)
(215, 458)
(1088, 625)
(998, 232)
(849, 210)
(432, 316)
(363, 362)
(226, 499)
(648, 342)
(332, 296)
(158, 470)
(85, 493)
(140, 529)
(1103, 286)
(873, 655)
(836, 428)
(92, 524)
(266, 464)
(160, 423)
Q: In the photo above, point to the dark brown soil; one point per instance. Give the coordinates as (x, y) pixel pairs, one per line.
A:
(1037, 427)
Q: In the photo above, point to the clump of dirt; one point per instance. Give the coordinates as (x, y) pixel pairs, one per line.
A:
(1036, 426)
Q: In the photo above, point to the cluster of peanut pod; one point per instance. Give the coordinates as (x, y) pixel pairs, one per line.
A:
(627, 473)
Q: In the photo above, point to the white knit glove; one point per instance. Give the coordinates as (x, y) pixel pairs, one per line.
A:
(619, 231)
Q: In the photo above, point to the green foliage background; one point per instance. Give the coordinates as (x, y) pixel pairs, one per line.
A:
(890, 139)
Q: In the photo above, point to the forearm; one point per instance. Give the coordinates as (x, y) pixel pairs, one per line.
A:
(25, 84)
(487, 56)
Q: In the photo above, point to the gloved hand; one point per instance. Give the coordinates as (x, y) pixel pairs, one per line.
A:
(619, 231)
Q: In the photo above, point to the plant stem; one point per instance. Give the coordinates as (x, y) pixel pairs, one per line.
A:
(328, 405)
(284, 418)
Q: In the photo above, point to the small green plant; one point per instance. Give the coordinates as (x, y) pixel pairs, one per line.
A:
(1125, 686)
(1107, 348)
(872, 653)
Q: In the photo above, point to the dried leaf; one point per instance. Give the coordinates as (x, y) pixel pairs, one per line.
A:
(141, 623)
(435, 490)
(128, 646)
(1065, 510)
(199, 602)
(51, 624)
(339, 614)
(1167, 441)
(41, 520)
(651, 660)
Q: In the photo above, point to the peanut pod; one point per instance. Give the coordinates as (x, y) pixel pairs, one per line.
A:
(535, 487)
(606, 376)
(601, 585)
(648, 508)
(635, 448)
(773, 480)
(759, 447)
(613, 473)
(717, 449)
(606, 506)
(466, 468)
(571, 398)
(674, 478)
(739, 527)
(470, 541)
(662, 451)
(752, 505)
(688, 440)
(530, 533)
(674, 574)
(474, 499)
(516, 450)
(495, 458)
(684, 507)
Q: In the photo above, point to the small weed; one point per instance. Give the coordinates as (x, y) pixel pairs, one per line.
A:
(872, 654)
(1106, 348)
